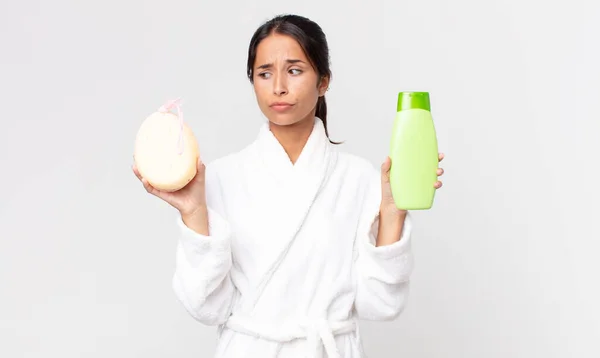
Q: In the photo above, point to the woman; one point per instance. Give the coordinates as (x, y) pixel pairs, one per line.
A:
(285, 244)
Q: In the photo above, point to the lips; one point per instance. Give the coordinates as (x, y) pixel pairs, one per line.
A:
(281, 106)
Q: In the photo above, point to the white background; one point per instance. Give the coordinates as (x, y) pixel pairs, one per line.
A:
(506, 261)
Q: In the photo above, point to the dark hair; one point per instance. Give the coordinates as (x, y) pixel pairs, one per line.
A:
(313, 42)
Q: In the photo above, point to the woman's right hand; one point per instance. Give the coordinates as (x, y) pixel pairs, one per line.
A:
(189, 199)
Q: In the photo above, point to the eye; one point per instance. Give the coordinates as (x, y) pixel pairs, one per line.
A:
(264, 75)
(298, 71)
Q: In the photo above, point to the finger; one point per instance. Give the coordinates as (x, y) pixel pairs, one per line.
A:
(387, 164)
(149, 188)
(441, 157)
(385, 169)
(200, 172)
(136, 172)
(440, 172)
(438, 184)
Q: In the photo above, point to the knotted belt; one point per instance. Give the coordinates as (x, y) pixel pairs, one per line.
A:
(314, 331)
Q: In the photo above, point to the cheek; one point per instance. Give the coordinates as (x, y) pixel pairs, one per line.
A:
(305, 89)
(261, 91)
(310, 98)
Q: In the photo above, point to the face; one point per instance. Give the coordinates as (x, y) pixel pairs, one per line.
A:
(287, 87)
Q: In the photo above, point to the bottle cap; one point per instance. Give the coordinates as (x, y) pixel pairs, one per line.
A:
(413, 100)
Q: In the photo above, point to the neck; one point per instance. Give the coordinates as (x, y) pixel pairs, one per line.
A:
(293, 137)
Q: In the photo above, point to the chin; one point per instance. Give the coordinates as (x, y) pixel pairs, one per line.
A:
(283, 119)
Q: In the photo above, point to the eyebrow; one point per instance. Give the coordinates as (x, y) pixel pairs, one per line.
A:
(269, 65)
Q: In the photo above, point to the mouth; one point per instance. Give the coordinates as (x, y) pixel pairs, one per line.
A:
(281, 106)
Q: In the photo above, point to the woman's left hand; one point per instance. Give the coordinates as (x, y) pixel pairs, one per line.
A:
(387, 201)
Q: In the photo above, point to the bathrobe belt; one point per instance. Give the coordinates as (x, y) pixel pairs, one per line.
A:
(314, 331)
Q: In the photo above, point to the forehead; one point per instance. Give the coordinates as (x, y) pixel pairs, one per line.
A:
(278, 47)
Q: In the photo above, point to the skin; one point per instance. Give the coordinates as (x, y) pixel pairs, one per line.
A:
(283, 73)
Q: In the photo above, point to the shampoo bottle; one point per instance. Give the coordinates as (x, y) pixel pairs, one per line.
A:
(414, 153)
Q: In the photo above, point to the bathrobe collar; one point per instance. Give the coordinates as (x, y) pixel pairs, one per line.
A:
(313, 159)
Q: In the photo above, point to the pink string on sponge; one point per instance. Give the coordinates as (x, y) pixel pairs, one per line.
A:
(166, 108)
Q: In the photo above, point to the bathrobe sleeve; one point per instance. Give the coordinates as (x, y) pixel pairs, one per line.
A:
(383, 272)
(202, 281)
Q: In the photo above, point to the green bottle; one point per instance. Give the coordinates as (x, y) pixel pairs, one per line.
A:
(414, 153)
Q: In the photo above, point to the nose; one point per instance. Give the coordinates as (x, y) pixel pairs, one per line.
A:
(280, 85)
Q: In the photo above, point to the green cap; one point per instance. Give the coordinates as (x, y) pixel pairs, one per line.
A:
(412, 100)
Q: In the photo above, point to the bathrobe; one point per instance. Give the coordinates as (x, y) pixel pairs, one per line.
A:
(290, 265)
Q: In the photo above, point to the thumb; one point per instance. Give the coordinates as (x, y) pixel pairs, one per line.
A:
(385, 170)
(200, 169)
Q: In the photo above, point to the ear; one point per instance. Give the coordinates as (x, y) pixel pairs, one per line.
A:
(323, 85)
